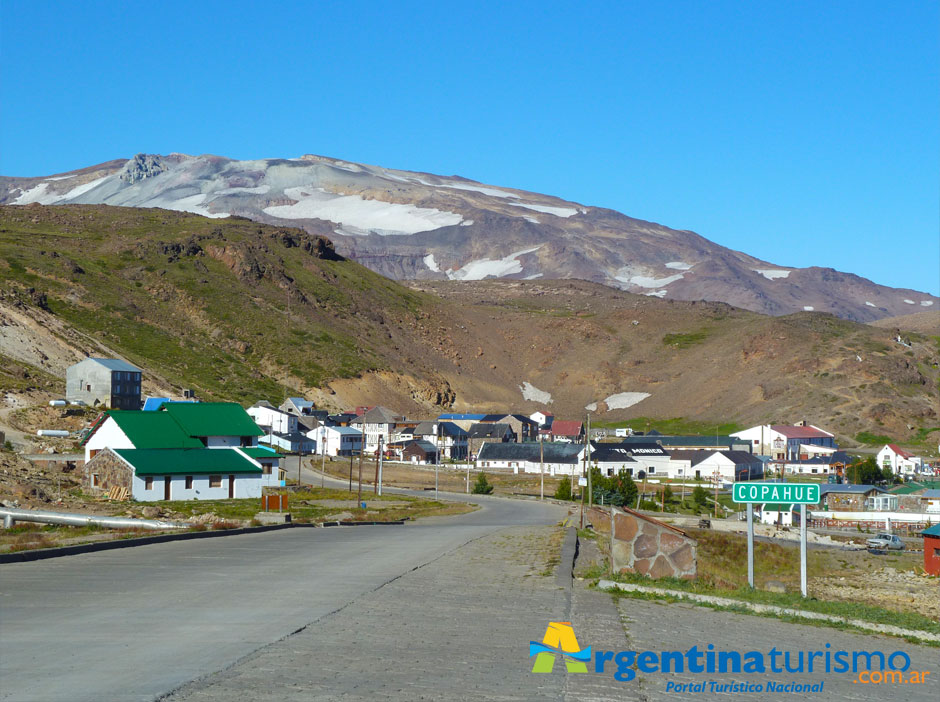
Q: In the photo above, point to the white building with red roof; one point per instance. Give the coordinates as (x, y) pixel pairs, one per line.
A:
(788, 441)
(567, 430)
(900, 461)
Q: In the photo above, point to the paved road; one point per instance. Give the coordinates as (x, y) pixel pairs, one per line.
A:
(134, 624)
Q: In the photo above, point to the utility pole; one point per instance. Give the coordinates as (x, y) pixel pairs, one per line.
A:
(717, 480)
(350, 467)
(378, 470)
(541, 469)
(468, 463)
(437, 463)
(359, 498)
(323, 455)
(590, 481)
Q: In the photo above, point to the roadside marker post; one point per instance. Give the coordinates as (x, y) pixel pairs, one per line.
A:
(790, 493)
(750, 545)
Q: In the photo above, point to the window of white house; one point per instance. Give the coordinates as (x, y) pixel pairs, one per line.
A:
(215, 481)
(95, 480)
(148, 483)
(189, 482)
(265, 469)
(652, 469)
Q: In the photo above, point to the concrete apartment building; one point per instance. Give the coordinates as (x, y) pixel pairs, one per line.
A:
(104, 382)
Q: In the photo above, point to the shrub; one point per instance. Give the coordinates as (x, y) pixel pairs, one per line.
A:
(699, 496)
(563, 491)
(649, 505)
(482, 486)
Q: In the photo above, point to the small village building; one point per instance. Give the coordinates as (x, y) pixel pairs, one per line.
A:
(420, 452)
(846, 498)
(136, 430)
(543, 419)
(271, 419)
(782, 515)
(829, 462)
(611, 460)
(107, 382)
(180, 474)
(728, 466)
(932, 550)
(550, 458)
(464, 420)
(523, 428)
(783, 441)
(448, 436)
(901, 462)
(337, 440)
(650, 459)
(377, 422)
(930, 501)
(290, 442)
(571, 431)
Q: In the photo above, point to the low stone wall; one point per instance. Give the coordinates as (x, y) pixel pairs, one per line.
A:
(644, 545)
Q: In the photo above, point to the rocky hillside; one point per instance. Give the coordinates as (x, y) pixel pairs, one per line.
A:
(245, 311)
(420, 226)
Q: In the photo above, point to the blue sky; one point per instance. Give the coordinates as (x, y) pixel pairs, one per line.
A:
(804, 133)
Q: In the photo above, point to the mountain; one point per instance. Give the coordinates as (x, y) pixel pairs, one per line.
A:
(420, 226)
(244, 311)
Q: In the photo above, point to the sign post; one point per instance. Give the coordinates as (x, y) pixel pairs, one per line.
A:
(750, 545)
(787, 493)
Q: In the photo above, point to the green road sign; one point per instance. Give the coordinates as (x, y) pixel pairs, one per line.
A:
(802, 493)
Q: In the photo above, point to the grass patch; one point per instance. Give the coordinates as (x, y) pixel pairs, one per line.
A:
(684, 341)
(866, 437)
(849, 610)
(675, 425)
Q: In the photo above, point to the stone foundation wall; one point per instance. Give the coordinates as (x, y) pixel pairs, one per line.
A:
(644, 545)
(111, 471)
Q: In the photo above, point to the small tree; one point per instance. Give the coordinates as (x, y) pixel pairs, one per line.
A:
(699, 496)
(482, 486)
(563, 491)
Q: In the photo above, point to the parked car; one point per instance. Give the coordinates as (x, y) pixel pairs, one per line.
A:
(883, 542)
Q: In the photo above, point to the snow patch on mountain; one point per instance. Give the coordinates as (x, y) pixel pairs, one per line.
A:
(926, 303)
(487, 267)
(431, 263)
(620, 400)
(870, 304)
(60, 177)
(530, 392)
(557, 211)
(633, 275)
(260, 190)
(40, 193)
(679, 265)
(808, 308)
(909, 302)
(772, 273)
(195, 204)
(355, 213)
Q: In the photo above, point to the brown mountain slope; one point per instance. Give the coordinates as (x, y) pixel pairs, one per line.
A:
(203, 303)
(408, 225)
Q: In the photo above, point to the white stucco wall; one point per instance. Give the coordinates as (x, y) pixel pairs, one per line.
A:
(247, 485)
(108, 435)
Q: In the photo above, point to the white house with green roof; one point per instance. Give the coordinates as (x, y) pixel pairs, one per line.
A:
(176, 425)
(151, 475)
(205, 450)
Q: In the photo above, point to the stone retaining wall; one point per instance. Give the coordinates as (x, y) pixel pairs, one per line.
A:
(641, 544)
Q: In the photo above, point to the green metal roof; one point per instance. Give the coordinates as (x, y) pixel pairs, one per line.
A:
(260, 452)
(153, 430)
(194, 461)
(213, 419)
(932, 531)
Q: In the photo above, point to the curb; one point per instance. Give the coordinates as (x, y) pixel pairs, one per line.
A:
(564, 575)
(42, 554)
(610, 585)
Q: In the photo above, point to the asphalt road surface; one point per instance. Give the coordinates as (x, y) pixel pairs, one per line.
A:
(135, 624)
